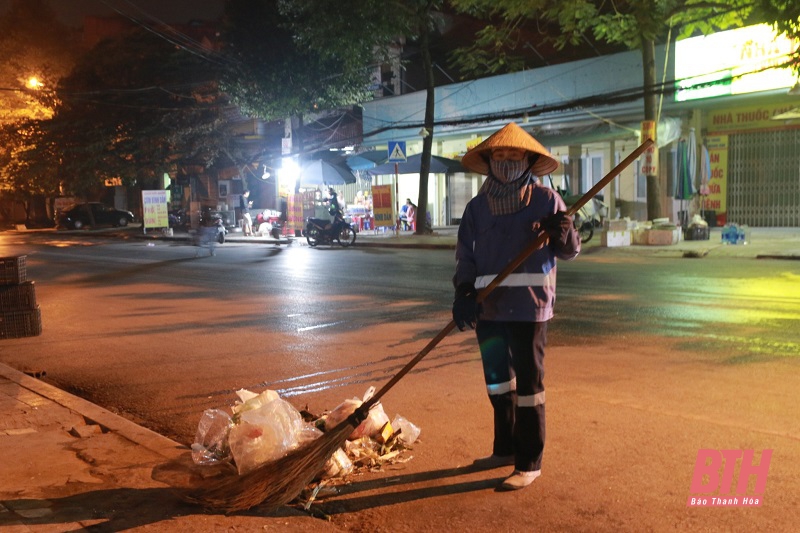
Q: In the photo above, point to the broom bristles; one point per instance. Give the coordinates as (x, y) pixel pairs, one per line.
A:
(274, 483)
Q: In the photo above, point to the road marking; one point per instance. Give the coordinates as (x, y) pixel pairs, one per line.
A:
(320, 326)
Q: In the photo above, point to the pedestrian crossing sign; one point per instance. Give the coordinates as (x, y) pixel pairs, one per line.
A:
(397, 151)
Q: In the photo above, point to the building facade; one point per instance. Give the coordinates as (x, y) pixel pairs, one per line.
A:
(735, 111)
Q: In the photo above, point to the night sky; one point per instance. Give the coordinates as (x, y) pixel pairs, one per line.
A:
(169, 11)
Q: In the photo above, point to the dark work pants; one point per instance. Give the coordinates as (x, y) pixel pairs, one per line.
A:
(513, 368)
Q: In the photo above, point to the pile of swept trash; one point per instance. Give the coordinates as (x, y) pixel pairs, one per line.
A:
(265, 427)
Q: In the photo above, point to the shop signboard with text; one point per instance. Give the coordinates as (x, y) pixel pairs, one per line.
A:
(650, 156)
(747, 117)
(154, 209)
(383, 205)
(740, 61)
(718, 179)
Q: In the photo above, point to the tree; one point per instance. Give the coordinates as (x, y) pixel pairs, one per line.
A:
(296, 57)
(784, 15)
(28, 169)
(134, 106)
(636, 24)
(271, 74)
(37, 51)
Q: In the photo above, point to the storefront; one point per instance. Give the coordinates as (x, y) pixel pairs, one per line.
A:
(755, 166)
(732, 89)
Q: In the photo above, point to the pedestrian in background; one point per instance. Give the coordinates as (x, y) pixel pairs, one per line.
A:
(509, 211)
(411, 215)
(244, 206)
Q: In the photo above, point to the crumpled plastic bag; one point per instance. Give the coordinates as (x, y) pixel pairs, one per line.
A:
(408, 431)
(371, 426)
(211, 440)
(251, 400)
(266, 427)
(339, 465)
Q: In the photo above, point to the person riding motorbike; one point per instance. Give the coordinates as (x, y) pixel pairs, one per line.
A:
(334, 209)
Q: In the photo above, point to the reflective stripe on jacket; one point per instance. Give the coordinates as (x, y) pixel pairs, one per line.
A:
(487, 243)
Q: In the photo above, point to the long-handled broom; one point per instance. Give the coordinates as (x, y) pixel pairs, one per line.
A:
(280, 481)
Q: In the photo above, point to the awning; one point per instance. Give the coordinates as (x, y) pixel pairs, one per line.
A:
(669, 130)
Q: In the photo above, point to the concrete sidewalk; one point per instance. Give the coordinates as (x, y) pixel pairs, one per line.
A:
(71, 465)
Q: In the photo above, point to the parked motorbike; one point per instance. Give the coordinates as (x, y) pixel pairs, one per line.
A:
(590, 217)
(178, 219)
(322, 231)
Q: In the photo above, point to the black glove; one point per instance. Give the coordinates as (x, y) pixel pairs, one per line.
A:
(465, 306)
(558, 226)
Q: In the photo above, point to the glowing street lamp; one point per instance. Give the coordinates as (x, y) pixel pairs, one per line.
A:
(34, 83)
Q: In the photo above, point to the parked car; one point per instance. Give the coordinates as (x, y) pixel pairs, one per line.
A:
(79, 216)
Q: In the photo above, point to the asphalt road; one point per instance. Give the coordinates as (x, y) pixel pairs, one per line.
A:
(649, 357)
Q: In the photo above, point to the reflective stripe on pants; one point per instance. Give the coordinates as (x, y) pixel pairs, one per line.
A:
(513, 352)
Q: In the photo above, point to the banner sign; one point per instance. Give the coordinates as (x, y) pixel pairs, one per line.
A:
(718, 180)
(154, 209)
(650, 156)
(383, 205)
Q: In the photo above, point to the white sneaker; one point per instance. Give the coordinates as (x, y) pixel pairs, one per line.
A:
(493, 461)
(520, 480)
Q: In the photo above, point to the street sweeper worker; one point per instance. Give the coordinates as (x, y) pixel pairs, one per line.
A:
(506, 216)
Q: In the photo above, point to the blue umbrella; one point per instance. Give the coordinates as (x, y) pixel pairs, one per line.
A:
(367, 160)
(439, 165)
(319, 172)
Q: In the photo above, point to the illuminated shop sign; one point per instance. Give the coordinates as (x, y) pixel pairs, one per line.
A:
(744, 60)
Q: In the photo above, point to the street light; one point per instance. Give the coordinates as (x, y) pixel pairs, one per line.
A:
(34, 83)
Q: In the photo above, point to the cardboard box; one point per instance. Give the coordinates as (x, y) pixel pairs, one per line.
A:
(639, 236)
(615, 238)
(663, 237)
(616, 225)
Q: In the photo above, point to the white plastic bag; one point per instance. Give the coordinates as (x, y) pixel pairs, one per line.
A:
(370, 427)
(341, 412)
(339, 465)
(211, 440)
(408, 431)
(251, 400)
(264, 430)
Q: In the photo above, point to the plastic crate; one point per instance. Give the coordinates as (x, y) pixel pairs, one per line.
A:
(24, 323)
(20, 296)
(13, 270)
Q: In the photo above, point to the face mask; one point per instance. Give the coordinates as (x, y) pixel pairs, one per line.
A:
(508, 171)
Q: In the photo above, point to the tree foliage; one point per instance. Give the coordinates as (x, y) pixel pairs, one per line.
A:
(636, 24)
(784, 15)
(134, 106)
(292, 58)
(630, 23)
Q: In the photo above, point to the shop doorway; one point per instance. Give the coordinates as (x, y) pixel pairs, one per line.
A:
(764, 178)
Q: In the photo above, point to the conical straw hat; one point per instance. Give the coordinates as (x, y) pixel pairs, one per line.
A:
(510, 136)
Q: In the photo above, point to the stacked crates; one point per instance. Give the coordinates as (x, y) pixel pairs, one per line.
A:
(19, 314)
